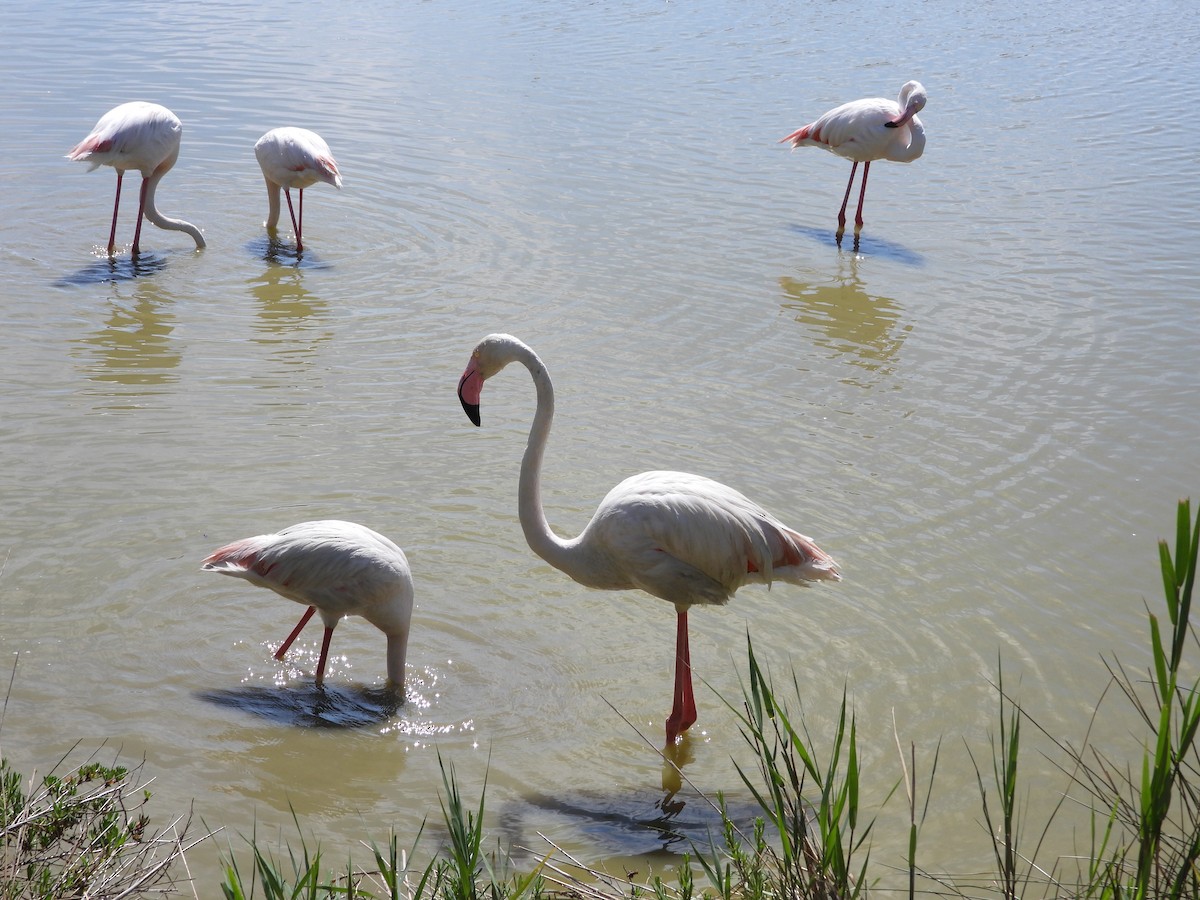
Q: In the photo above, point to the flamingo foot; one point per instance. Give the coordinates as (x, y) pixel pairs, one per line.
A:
(679, 722)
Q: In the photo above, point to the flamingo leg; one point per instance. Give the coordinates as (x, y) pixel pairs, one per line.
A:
(324, 656)
(283, 648)
(683, 710)
(137, 232)
(112, 233)
(846, 199)
(300, 221)
(862, 195)
(287, 192)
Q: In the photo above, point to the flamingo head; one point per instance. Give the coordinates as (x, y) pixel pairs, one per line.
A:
(491, 355)
(912, 100)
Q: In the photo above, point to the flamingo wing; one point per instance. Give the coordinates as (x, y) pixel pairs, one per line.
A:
(689, 539)
(856, 130)
(296, 158)
(135, 135)
(339, 567)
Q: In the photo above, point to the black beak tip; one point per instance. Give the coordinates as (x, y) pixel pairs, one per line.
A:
(472, 411)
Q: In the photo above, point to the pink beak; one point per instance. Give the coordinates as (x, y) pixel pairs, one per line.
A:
(470, 386)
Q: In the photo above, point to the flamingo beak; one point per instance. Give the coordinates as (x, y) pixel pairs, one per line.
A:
(470, 386)
(901, 120)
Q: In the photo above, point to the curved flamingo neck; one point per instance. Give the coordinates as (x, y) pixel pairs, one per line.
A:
(916, 142)
(152, 213)
(272, 204)
(397, 647)
(541, 539)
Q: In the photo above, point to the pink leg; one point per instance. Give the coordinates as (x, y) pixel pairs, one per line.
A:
(291, 212)
(283, 648)
(300, 221)
(862, 194)
(846, 199)
(137, 232)
(683, 710)
(324, 655)
(112, 234)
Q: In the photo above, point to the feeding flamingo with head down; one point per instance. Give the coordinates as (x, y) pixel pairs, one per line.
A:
(141, 136)
(337, 569)
(682, 538)
(293, 158)
(866, 130)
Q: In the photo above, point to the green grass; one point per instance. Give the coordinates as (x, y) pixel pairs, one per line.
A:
(87, 833)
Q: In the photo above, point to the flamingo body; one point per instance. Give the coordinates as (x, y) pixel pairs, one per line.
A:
(867, 130)
(336, 568)
(680, 537)
(689, 540)
(293, 158)
(143, 137)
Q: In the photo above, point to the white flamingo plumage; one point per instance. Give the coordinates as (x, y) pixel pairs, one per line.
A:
(336, 568)
(142, 136)
(867, 130)
(682, 538)
(293, 158)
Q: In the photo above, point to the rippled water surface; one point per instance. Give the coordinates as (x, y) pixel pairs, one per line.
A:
(986, 414)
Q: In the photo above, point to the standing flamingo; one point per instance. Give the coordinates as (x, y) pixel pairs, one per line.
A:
(335, 568)
(142, 136)
(679, 537)
(293, 158)
(866, 130)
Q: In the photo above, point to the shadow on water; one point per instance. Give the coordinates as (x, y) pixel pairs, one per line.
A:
(867, 245)
(633, 822)
(623, 823)
(309, 706)
(116, 268)
(278, 253)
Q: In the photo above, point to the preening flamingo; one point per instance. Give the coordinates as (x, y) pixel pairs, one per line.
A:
(293, 158)
(682, 538)
(335, 568)
(142, 136)
(866, 130)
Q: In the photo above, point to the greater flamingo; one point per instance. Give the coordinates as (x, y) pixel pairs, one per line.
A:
(679, 537)
(142, 136)
(293, 158)
(866, 130)
(335, 568)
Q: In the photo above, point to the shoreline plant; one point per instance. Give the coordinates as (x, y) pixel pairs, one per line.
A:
(85, 834)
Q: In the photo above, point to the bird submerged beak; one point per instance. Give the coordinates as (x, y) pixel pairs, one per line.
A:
(470, 386)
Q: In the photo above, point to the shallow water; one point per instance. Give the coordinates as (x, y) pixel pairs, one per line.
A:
(986, 414)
